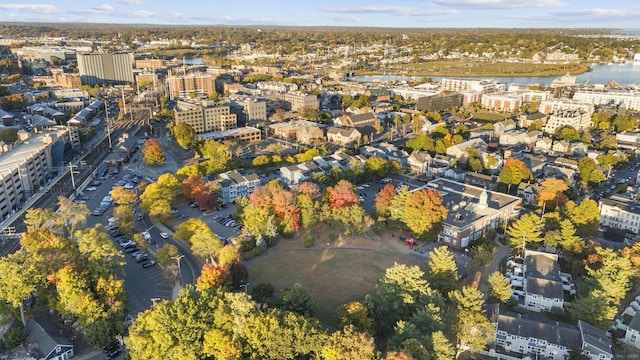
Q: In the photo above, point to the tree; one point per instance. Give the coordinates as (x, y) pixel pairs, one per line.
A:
(18, 280)
(610, 273)
(443, 270)
(568, 239)
(527, 229)
(185, 135)
(424, 210)
(206, 244)
(467, 299)
(594, 309)
(212, 276)
(152, 153)
(228, 255)
(624, 123)
(473, 330)
(342, 195)
(122, 196)
(207, 200)
(239, 274)
(193, 186)
(349, 344)
(355, 314)
(190, 227)
(514, 172)
(96, 245)
(568, 133)
(550, 189)
(124, 218)
(298, 300)
(499, 287)
(584, 216)
(71, 215)
(167, 254)
(441, 348)
(588, 171)
(384, 199)
(376, 167)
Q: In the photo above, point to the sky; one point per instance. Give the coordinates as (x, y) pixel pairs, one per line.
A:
(618, 14)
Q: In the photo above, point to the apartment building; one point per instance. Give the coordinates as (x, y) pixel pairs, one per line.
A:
(577, 119)
(150, 64)
(66, 80)
(235, 184)
(472, 211)
(205, 118)
(627, 99)
(105, 68)
(547, 339)
(25, 167)
(620, 212)
(550, 106)
(502, 101)
(440, 102)
(199, 83)
(483, 86)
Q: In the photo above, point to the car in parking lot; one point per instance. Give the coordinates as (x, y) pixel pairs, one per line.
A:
(142, 257)
(129, 250)
(164, 235)
(91, 188)
(148, 264)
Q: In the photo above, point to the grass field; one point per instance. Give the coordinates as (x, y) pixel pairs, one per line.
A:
(481, 69)
(333, 276)
(488, 116)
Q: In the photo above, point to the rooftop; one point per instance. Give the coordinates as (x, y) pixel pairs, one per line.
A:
(551, 331)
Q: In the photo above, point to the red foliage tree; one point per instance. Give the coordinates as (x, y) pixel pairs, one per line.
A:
(384, 198)
(342, 195)
(213, 276)
(310, 189)
(193, 186)
(207, 200)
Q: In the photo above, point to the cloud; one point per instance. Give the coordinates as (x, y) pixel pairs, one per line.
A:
(39, 8)
(98, 10)
(131, 2)
(346, 18)
(397, 10)
(498, 4)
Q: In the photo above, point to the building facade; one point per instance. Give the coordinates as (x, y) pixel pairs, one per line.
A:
(618, 214)
(577, 119)
(234, 185)
(105, 68)
(501, 101)
(199, 83)
(440, 102)
(205, 118)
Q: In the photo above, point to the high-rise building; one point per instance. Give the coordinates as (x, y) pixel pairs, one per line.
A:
(200, 84)
(101, 68)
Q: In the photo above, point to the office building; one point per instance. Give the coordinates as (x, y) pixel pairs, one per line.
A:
(205, 119)
(105, 68)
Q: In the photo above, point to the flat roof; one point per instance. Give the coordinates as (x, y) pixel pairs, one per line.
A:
(10, 160)
(231, 132)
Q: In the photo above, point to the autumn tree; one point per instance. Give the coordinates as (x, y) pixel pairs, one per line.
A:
(167, 254)
(207, 200)
(588, 171)
(514, 171)
(298, 300)
(157, 197)
(152, 153)
(193, 186)
(355, 314)
(424, 210)
(122, 196)
(212, 276)
(206, 244)
(192, 226)
(550, 190)
(348, 343)
(584, 216)
(384, 200)
(19, 279)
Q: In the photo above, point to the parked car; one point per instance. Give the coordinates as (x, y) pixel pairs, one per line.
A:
(142, 257)
(91, 188)
(164, 235)
(112, 346)
(114, 354)
(148, 264)
(129, 250)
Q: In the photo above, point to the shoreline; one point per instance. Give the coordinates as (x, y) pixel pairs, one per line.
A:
(583, 68)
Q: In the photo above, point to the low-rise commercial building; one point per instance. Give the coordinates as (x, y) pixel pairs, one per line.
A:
(234, 184)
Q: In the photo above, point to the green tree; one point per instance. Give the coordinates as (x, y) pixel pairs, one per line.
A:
(355, 314)
(584, 216)
(467, 299)
(18, 280)
(527, 229)
(594, 309)
(206, 244)
(624, 123)
(443, 270)
(298, 300)
(167, 254)
(568, 133)
(185, 135)
(376, 167)
(190, 227)
(441, 348)
(473, 331)
(588, 171)
(499, 287)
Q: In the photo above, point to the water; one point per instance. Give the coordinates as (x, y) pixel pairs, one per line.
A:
(624, 74)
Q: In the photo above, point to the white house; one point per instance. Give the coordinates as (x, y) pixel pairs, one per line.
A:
(632, 337)
(419, 161)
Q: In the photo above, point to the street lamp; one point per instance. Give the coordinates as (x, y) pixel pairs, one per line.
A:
(178, 257)
(245, 286)
(106, 112)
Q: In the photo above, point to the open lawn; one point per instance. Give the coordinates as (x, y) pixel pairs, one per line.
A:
(346, 270)
(481, 69)
(488, 116)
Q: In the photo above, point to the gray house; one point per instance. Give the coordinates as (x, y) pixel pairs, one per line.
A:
(51, 345)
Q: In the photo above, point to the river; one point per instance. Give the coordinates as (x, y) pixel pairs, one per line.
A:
(624, 74)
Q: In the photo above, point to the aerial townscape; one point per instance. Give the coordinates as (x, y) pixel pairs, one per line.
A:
(188, 186)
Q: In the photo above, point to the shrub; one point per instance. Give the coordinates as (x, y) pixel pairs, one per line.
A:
(307, 240)
(14, 337)
(262, 292)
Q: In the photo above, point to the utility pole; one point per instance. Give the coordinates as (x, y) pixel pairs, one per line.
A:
(178, 258)
(106, 112)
